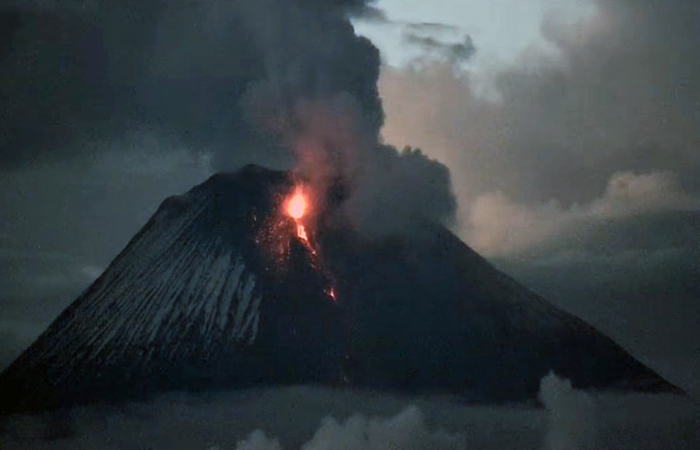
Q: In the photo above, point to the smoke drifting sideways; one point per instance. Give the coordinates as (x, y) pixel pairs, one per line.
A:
(316, 418)
(274, 82)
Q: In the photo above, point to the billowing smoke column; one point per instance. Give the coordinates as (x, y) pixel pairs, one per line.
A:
(283, 83)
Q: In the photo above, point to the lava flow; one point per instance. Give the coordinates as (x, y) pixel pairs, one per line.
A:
(297, 208)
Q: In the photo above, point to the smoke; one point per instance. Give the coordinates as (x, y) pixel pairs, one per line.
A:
(570, 415)
(400, 190)
(279, 83)
(186, 69)
(615, 92)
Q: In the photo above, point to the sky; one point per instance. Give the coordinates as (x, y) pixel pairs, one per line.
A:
(502, 28)
(570, 131)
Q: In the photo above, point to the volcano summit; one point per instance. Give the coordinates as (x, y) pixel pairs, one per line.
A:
(218, 290)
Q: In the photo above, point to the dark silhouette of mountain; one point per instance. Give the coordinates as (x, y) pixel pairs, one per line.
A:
(217, 291)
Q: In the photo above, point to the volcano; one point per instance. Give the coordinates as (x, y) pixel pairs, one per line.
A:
(218, 291)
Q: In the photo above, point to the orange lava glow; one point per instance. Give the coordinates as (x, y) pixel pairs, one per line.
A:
(297, 206)
(301, 233)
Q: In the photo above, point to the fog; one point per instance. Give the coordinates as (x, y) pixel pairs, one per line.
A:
(315, 418)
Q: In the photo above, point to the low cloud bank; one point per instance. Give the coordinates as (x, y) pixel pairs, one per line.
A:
(407, 430)
(316, 418)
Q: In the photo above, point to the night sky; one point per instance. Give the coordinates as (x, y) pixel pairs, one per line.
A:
(571, 131)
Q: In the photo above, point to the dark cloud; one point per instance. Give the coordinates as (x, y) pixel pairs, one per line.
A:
(399, 190)
(179, 67)
(272, 82)
(373, 14)
(453, 52)
(431, 27)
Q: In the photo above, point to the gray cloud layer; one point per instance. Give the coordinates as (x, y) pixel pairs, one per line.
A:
(617, 101)
(314, 418)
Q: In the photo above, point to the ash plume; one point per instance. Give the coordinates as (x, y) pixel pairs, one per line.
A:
(279, 83)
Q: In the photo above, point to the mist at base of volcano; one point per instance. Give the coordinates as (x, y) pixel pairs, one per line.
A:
(317, 418)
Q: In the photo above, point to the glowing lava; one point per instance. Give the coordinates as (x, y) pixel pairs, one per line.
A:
(301, 233)
(297, 205)
(296, 209)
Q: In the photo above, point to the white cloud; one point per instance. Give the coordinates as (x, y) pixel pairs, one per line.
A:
(407, 431)
(601, 127)
(257, 441)
(570, 415)
(497, 225)
(629, 193)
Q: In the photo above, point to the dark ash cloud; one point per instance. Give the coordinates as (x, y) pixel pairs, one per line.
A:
(373, 14)
(452, 52)
(272, 82)
(179, 67)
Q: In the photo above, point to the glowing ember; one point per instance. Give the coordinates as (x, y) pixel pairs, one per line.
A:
(301, 233)
(297, 205)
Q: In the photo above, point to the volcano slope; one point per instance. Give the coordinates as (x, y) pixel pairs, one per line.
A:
(218, 291)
